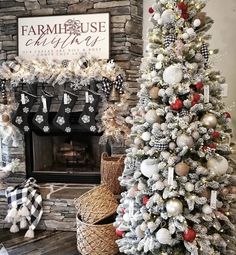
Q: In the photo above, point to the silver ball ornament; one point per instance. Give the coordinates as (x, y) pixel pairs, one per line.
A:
(174, 207)
(185, 140)
(209, 120)
(189, 187)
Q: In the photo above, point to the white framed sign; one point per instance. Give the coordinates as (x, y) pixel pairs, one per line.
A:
(64, 36)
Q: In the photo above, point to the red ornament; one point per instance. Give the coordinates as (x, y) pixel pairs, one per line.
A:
(145, 200)
(215, 135)
(199, 85)
(177, 105)
(227, 115)
(119, 233)
(151, 10)
(182, 6)
(211, 146)
(189, 235)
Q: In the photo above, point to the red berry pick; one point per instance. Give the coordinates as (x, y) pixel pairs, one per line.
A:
(151, 10)
(189, 235)
(177, 105)
(119, 233)
(145, 200)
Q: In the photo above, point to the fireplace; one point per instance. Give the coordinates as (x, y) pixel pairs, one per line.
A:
(63, 157)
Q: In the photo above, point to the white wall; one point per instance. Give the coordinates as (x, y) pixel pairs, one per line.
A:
(223, 32)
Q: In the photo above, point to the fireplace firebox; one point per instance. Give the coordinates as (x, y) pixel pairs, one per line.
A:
(63, 157)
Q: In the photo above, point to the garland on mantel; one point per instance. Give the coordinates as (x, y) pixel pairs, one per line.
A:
(78, 74)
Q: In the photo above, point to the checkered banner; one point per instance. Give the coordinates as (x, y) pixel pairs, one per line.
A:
(25, 206)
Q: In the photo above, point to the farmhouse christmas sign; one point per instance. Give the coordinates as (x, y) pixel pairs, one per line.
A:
(65, 36)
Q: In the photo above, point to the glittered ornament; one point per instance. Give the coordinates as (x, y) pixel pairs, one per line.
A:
(5, 118)
(120, 233)
(145, 200)
(185, 140)
(206, 209)
(149, 167)
(174, 207)
(199, 85)
(173, 74)
(189, 235)
(153, 92)
(217, 165)
(163, 236)
(205, 193)
(182, 169)
(209, 120)
(177, 105)
(152, 117)
(215, 135)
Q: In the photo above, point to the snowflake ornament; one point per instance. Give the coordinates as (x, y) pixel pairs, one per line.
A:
(86, 119)
(60, 120)
(39, 118)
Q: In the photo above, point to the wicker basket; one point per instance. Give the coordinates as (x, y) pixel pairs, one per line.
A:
(111, 168)
(96, 204)
(96, 239)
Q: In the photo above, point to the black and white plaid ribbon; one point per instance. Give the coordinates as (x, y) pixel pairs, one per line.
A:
(205, 52)
(161, 146)
(27, 194)
(107, 85)
(169, 39)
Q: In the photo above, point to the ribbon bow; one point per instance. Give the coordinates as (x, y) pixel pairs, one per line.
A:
(107, 85)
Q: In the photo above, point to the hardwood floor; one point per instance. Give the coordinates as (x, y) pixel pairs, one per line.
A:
(44, 243)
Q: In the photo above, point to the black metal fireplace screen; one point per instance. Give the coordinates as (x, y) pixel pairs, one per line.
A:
(61, 157)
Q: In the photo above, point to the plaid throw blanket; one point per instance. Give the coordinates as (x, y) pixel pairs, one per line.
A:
(25, 206)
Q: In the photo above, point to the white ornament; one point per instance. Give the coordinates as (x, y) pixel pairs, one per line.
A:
(137, 174)
(196, 135)
(174, 207)
(163, 236)
(206, 209)
(160, 22)
(197, 23)
(139, 233)
(189, 187)
(151, 117)
(158, 65)
(159, 185)
(126, 217)
(172, 145)
(152, 226)
(198, 57)
(191, 31)
(137, 141)
(160, 57)
(184, 140)
(218, 166)
(153, 74)
(146, 136)
(185, 36)
(146, 216)
(156, 16)
(168, 17)
(165, 155)
(141, 186)
(143, 226)
(149, 167)
(173, 74)
(209, 120)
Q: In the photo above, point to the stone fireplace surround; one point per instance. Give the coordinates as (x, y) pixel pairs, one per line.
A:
(126, 50)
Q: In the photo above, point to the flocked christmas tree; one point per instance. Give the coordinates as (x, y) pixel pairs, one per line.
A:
(178, 172)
